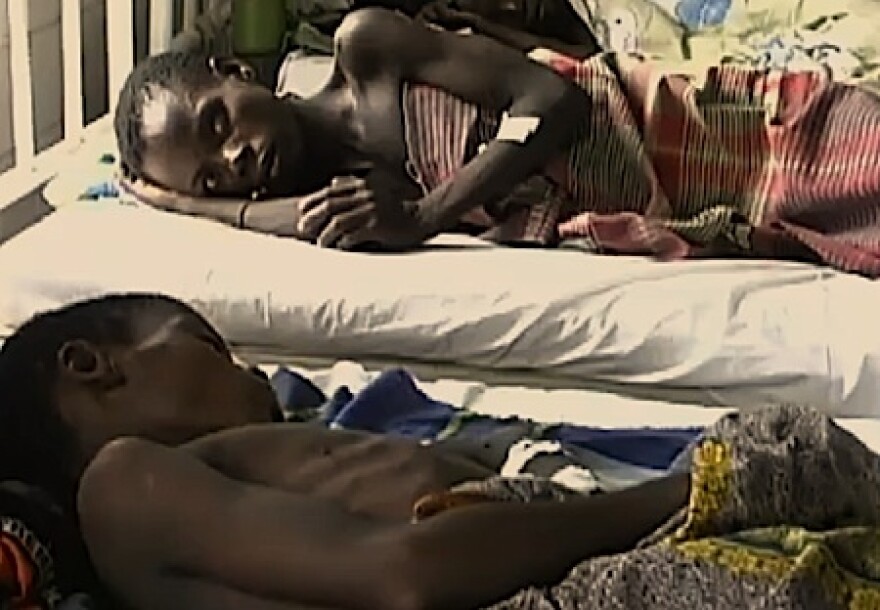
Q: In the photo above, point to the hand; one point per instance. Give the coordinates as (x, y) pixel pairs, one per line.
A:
(347, 214)
(154, 196)
(432, 505)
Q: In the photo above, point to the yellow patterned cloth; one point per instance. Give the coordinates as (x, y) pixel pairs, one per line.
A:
(784, 513)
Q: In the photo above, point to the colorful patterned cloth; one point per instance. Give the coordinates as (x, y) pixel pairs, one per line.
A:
(786, 34)
(784, 513)
(26, 569)
(769, 164)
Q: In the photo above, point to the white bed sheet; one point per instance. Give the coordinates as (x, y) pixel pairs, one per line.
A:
(718, 332)
(714, 332)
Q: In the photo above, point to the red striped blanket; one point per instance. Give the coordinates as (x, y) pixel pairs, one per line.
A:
(756, 163)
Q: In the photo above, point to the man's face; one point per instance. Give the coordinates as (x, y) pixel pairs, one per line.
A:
(178, 382)
(225, 137)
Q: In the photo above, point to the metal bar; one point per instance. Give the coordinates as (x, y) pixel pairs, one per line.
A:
(161, 25)
(71, 37)
(191, 10)
(19, 181)
(22, 85)
(120, 47)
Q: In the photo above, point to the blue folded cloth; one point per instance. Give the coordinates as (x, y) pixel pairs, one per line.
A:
(392, 404)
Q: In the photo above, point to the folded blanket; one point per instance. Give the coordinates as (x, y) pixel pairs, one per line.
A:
(763, 163)
(784, 513)
(760, 163)
(752, 163)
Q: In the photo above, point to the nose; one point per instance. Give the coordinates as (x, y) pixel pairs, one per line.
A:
(239, 157)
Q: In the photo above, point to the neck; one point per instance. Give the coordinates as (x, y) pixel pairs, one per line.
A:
(334, 138)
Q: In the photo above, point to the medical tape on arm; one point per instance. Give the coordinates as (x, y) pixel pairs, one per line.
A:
(515, 129)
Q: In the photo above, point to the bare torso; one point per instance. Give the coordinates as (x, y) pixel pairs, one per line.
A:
(368, 474)
(369, 100)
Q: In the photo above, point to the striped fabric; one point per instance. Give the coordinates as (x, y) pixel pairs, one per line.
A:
(762, 163)
(752, 163)
(441, 133)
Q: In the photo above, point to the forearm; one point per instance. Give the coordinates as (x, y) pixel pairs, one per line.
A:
(148, 510)
(503, 164)
(271, 216)
(504, 547)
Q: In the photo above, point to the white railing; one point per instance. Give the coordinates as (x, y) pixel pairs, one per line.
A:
(32, 169)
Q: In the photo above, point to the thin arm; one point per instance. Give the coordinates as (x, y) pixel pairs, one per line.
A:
(147, 509)
(278, 216)
(476, 69)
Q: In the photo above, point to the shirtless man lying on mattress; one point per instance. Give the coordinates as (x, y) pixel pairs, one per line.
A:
(420, 131)
(191, 494)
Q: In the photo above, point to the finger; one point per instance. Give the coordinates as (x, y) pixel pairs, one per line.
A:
(433, 504)
(313, 222)
(342, 184)
(359, 237)
(353, 221)
(338, 185)
(309, 202)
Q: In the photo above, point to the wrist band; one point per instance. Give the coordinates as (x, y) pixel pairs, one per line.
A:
(241, 213)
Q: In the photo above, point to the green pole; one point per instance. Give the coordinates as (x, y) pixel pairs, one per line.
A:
(258, 26)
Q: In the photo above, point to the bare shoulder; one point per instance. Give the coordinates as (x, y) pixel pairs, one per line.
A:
(368, 28)
(375, 41)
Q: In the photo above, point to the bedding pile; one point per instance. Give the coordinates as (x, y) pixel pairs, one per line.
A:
(752, 162)
(753, 534)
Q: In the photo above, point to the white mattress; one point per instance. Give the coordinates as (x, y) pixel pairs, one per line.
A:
(717, 332)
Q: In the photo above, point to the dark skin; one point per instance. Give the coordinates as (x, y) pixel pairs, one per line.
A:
(549, 24)
(337, 159)
(521, 24)
(189, 497)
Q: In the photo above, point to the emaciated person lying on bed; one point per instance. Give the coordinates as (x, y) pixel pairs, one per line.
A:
(420, 131)
(190, 495)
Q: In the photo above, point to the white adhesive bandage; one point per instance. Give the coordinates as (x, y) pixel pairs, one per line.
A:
(517, 129)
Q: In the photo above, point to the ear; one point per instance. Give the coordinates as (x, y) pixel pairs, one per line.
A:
(231, 67)
(86, 363)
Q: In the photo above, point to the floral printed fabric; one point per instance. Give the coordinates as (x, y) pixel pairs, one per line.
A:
(789, 34)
